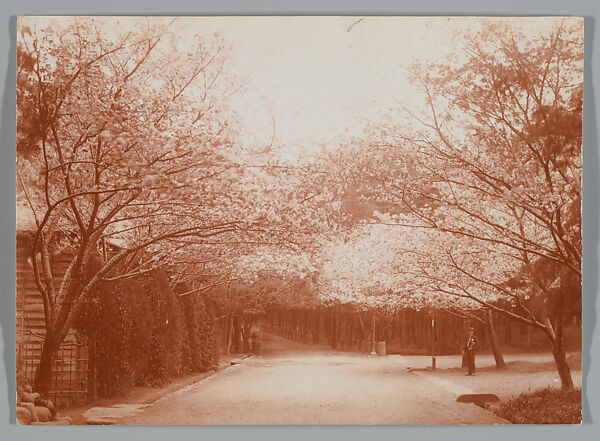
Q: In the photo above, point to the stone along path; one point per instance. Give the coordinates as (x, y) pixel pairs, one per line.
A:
(300, 384)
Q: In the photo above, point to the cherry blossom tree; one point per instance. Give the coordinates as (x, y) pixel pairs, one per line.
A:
(125, 157)
(494, 160)
(128, 156)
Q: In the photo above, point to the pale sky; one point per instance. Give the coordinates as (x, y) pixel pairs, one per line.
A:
(322, 76)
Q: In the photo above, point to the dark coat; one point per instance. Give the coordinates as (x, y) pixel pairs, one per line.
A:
(471, 343)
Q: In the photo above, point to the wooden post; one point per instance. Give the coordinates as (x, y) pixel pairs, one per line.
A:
(433, 348)
(373, 351)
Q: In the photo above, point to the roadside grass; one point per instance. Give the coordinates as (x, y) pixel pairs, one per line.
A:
(543, 406)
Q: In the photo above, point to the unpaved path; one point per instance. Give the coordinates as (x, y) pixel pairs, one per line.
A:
(300, 384)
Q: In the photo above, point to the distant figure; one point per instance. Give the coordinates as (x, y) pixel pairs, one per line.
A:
(471, 345)
(255, 338)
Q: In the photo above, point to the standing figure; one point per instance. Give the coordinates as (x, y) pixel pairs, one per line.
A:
(255, 337)
(471, 345)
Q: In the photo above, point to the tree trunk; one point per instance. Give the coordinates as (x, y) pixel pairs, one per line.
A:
(343, 330)
(364, 333)
(237, 336)
(316, 326)
(412, 330)
(333, 328)
(295, 324)
(404, 329)
(246, 326)
(560, 359)
(43, 374)
(307, 331)
(338, 327)
(229, 332)
(494, 340)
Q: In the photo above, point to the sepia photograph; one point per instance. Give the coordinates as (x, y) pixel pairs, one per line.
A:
(298, 220)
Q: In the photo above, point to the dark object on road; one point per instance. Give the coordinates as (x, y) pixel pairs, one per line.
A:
(100, 421)
(479, 399)
(471, 346)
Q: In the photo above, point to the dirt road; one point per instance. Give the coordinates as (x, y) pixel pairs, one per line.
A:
(299, 384)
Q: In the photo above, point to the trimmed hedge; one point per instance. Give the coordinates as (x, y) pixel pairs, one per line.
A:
(145, 334)
(167, 335)
(201, 352)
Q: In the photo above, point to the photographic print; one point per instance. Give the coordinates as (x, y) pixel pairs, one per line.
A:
(299, 220)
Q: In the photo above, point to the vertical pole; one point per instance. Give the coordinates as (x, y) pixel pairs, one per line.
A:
(373, 352)
(433, 340)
